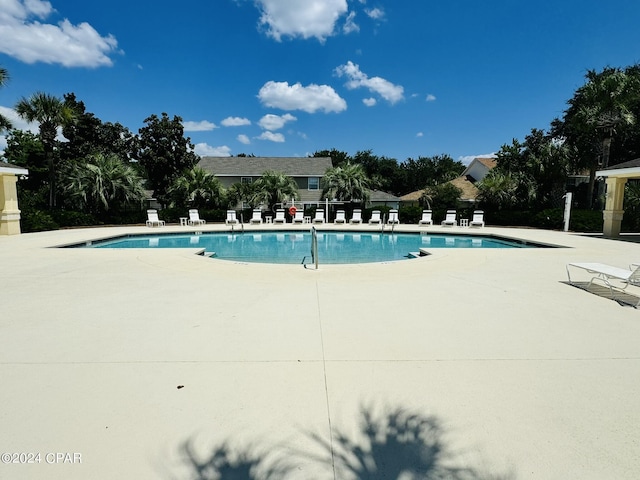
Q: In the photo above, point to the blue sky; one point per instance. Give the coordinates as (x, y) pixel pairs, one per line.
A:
(289, 77)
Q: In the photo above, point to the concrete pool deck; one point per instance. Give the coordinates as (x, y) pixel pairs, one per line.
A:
(153, 363)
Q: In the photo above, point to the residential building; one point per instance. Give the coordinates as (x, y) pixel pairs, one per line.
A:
(378, 198)
(306, 171)
(466, 182)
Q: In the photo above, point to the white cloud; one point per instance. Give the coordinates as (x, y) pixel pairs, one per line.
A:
(387, 90)
(205, 150)
(419, 134)
(201, 126)
(430, 98)
(21, 10)
(275, 122)
(272, 137)
(375, 13)
(242, 138)
(305, 19)
(16, 121)
(309, 99)
(369, 102)
(31, 41)
(235, 122)
(19, 124)
(350, 25)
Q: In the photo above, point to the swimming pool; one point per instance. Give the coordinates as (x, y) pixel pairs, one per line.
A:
(293, 247)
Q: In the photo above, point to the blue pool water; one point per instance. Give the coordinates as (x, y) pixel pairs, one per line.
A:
(294, 246)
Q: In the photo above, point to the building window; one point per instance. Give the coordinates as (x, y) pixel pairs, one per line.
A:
(245, 180)
(313, 183)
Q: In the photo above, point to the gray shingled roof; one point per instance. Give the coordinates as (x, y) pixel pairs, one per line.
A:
(256, 166)
(380, 196)
(7, 167)
(630, 164)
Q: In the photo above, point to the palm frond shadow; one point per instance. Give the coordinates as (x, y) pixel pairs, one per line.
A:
(396, 445)
(226, 462)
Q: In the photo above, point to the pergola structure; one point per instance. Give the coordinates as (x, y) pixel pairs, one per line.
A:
(616, 178)
(9, 211)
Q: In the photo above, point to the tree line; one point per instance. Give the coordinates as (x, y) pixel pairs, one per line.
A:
(104, 172)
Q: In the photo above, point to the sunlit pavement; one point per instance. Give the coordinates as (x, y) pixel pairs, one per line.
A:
(162, 363)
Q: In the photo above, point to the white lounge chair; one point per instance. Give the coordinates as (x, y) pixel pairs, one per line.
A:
(194, 218)
(319, 218)
(393, 217)
(280, 218)
(426, 218)
(478, 219)
(256, 217)
(299, 216)
(153, 220)
(375, 217)
(231, 219)
(608, 275)
(450, 219)
(357, 216)
(340, 217)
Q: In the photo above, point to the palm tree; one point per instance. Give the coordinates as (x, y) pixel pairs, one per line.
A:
(607, 98)
(498, 189)
(346, 183)
(596, 114)
(50, 112)
(196, 188)
(103, 183)
(5, 123)
(241, 192)
(274, 187)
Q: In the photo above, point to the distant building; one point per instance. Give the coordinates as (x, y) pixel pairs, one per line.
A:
(307, 172)
(466, 182)
(478, 168)
(379, 199)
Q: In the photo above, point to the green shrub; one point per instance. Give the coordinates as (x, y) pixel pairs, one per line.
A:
(214, 215)
(172, 215)
(549, 219)
(508, 218)
(125, 218)
(37, 221)
(586, 221)
(68, 218)
(410, 214)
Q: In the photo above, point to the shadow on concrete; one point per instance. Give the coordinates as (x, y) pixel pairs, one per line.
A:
(226, 462)
(623, 237)
(622, 298)
(396, 444)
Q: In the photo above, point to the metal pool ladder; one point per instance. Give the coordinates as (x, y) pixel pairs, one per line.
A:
(314, 248)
